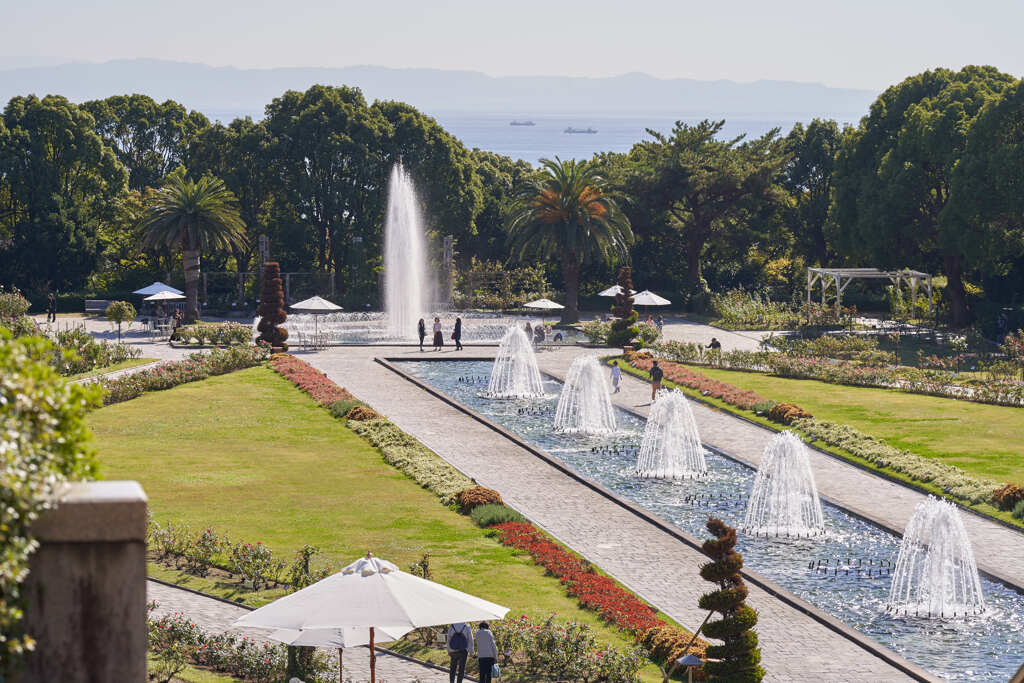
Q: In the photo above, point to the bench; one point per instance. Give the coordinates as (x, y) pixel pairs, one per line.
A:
(96, 305)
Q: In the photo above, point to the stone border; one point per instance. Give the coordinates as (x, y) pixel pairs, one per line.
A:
(866, 516)
(876, 649)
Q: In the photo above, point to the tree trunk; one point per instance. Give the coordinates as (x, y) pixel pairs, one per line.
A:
(571, 273)
(959, 315)
(694, 246)
(190, 260)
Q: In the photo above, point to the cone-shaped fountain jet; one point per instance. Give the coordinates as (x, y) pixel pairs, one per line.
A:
(671, 447)
(515, 373)
(585, 406)
(785, 499)
(935, 575)
(407, 289)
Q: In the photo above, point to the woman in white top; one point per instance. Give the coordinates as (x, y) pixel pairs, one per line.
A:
(486, 652)
(438, 337)
(616, 378)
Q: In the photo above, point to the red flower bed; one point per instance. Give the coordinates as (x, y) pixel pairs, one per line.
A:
(596, 592)
(741, 398)
(309, 379)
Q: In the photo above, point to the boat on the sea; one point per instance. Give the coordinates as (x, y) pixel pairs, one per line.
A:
(522, 123)
(580, 131)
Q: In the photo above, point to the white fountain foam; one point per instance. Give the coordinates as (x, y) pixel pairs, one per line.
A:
(407, 289)
(935, 575)
(515, 373)
(671, 447)
(585, 406)
(785, 499)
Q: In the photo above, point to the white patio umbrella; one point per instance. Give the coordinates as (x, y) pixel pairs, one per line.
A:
(614, 290)
(156, 288)
(317, 306)
(165, 295)
(544, 305)
(649, 298)
(371, 594)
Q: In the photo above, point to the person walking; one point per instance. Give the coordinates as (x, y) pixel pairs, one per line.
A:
(529, 330)
(457, 334)
(486, 652)
(459, 642)
(656, 376)
(438, 337)
(421, 330)
(51, 308)
(616, 377)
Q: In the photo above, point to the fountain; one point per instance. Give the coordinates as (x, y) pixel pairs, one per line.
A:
(515, 373)
(785, 499)
(671, 447)
(584, 406)
(935, 575)
(406, 286)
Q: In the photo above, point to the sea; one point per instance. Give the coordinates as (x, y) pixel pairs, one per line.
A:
(614, 133)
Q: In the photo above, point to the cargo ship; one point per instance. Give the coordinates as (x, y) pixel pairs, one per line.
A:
(522, 123)
(580, 131)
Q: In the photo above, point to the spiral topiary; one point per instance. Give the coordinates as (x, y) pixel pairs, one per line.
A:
(271, 308)
(738, 658)
(623, 330)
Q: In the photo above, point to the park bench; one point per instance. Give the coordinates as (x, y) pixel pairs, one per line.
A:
(96, 305)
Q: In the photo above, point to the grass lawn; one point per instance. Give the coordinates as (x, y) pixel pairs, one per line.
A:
(983, 439)
(252, 457)
(130, 363)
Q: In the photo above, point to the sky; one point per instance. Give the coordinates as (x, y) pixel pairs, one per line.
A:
(867, 44)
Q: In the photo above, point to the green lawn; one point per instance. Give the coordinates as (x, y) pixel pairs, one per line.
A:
(255, 459)
(982, 439)
(130, 363)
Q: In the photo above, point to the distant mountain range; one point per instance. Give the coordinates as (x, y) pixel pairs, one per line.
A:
(216, 90)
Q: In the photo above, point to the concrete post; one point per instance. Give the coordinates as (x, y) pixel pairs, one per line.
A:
(86, 590)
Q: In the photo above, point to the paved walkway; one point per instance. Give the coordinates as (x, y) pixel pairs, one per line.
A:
(794, 646)
(215, 616)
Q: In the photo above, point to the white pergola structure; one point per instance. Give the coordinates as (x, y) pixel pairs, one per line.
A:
(839, 278)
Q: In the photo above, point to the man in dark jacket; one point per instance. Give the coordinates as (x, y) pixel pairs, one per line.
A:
(656, 376)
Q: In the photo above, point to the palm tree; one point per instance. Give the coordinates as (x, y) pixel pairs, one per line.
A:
(195, 216)
(567, 211)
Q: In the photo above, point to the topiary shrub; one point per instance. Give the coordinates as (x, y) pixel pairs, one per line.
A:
(477, 495)
(623, 329)
(120, 312)
(738, 658)
(1007, 497)
(785, 413)
(491, 514)
(271, 308)
(362, 412)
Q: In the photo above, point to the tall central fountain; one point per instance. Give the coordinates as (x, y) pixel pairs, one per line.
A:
(671, 447)
(785, 498)
(585, 407)
(936, 575)
(407, 288)
(515, 373)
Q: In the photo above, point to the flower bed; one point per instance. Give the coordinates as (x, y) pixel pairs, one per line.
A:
(216, 334)
(309, 379)
(195, 367)
(732, 395)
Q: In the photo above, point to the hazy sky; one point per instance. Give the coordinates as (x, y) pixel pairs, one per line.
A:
(866, 44)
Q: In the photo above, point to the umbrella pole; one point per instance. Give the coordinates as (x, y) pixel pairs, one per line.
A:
(373, 659)
(341, 668)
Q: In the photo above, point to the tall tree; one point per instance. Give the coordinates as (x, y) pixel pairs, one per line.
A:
(808, 178)
(707, 189)
(151, 139)
(498, 176)
(894, 173)
(59, 184)
(194, 216)
(567, 211)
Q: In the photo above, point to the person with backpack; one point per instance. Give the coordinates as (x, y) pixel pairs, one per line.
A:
(459, 642)
(656, 375)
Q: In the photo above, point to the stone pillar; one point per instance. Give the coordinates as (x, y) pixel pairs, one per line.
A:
(86, 591)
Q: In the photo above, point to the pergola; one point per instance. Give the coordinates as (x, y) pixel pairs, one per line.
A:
(841, 277)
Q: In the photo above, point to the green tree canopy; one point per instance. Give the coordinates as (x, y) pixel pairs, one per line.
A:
(59, 182)
(567, 211)
(894, 174)
(808, 178)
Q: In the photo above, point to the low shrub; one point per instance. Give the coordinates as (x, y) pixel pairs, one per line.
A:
(214, 334)
(340, 409)
(362, 413)
(195, 367)
(12, 305)
(76, 351)
(309, 379)
(762, 407)
(1007, 497)
(1018, 510)
(494, 514)
(666, 644)
(255, 563)
(597, 331)
(785, 413)
(477, 495)
(414, 459)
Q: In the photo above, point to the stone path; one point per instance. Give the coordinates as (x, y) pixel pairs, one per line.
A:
(999, 549)
(215, 616)
(651, 562)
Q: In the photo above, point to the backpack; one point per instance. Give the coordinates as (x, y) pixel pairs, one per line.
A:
(458, 641)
